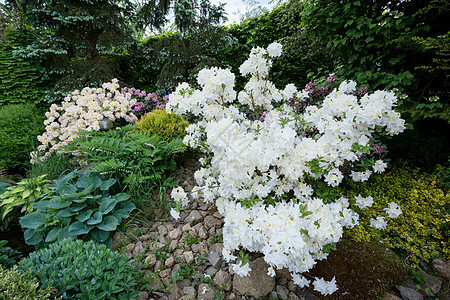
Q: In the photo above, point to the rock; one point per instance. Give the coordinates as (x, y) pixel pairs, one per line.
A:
(170, 226)
(211, 222)
(214, 259)
(442, 268)
(186, 227)
(187, 297)
(218, 247)
(205, 292)
(150, 260)
(138, 249)
(144, 238)
(184, 283)
(433, 282)
(389, 296)
(223, 279)
(173, 244)
(202, 233)
(292, 286)
(188, 257)
(193, 218)
(119, 240)
(211, 271)
(282, 292)
(158, 265)
(190, 291)
(175, 269)
(170, 262)
(143, 295)
(175, 293)
(130, 247)
(105, 124)
(283, 273)
(156, 285)
(175, 234)
(164, 273)
(293, 296)
(162, 230)
(258, 284)
(409, 294)
(199, 248)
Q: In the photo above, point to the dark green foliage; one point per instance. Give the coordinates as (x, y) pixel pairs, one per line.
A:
(78, 41)
(20, 78)
(82, 270)
(20, 124)
(8, 257)
(79, 206)
(384, 44)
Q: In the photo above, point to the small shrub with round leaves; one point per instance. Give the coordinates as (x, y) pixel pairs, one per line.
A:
(421, 232)
(159, 122)
(82, 270)
(15, 285)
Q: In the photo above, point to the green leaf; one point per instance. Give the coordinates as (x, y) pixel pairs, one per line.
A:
(64, 213)
(99, 235)
(109, 223)
(107, 184)
(59, 204)
(84, 215)
(33, 220)
(67, 189)
(31, 237)
(77, 207)
(95, 219)
(79, 228)
(53, 235)
(81, 194)
(64, 234)
(107, 205)
(122, 197)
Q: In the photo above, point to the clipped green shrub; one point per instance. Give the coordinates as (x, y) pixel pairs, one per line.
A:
(79, 206)
(15, 285)
(160, 123)
(82, 270)
(21, 196)
(421, 233)
(20, 124)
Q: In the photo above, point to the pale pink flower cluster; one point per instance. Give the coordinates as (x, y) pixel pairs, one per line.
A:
(82, 110)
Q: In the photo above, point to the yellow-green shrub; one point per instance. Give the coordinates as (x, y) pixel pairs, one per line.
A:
(422, 230)
(159, 122)
(15, 285)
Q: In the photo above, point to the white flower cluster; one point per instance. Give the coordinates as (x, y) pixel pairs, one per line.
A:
(82, 110)
(273, 156)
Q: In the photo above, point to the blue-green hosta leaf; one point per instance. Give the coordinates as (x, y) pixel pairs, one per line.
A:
(84, 215)
(84, 181)
(109, 223)
(80, 200)
(32, 237)
(64, 180)
(64, 234)
(55, 204)
(44, 204)
(77, 207)
(79, 228)
(64, 213)
(107, 184)
(122, 196)
(81, 194)
(95, 219)
(53, 235)
(67, 190)
(107, 205)
(128, 206)
(99, 235)
(33, 220)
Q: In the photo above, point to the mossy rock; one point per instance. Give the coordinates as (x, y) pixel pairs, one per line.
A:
(363, 270)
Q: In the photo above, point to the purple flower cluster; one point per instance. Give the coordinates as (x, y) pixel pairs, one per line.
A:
(146, 102)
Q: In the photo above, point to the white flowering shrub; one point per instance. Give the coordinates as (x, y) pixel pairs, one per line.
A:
(82, 110)
(263, 164)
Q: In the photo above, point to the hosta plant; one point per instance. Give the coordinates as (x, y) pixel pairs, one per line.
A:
(82, 270)
(79, 206)
(8, 256)
(21, 196)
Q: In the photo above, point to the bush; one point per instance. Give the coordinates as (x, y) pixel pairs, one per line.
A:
(15, 285)
(22, 196)
(20, 124)
(159, 122)
(8, 256)
(420, 232)
(82, 270)
(78, 206)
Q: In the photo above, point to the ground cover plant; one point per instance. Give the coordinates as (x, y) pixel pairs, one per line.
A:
(91, 271)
